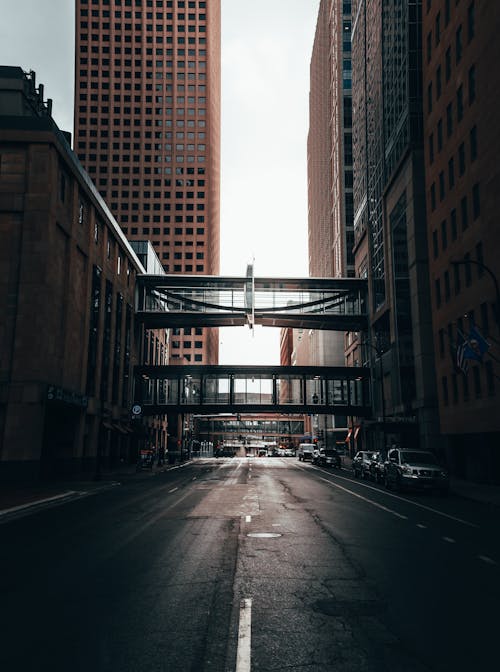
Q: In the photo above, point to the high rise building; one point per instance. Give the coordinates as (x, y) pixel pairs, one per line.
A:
(147, 130)
(390, 230)
(462, 139)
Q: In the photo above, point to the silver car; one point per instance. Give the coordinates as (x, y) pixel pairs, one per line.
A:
(415, 469)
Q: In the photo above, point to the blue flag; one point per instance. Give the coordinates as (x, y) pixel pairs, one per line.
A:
(475, 345)
(461, 360)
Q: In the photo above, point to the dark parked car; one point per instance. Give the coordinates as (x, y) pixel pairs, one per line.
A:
(361, 463)
(327, 457)
(416, 469)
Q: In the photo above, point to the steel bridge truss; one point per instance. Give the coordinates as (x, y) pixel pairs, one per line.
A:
(212, 301)
(251, 389)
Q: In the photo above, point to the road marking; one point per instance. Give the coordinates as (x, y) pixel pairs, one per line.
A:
(248, 519)
(244, 636)
(486, 559)
(365, 499)
(449, 540)
(173, 490)
(33, 503)
(402, 499)
(422, 527)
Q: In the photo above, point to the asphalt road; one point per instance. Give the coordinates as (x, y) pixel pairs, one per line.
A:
(260, 564)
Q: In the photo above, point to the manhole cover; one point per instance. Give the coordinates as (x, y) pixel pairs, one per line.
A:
(264, 535)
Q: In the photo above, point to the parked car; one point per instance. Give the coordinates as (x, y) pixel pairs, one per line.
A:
(418, 469)
(361, 464)
(305, 452)
(327, 457)
(377, 467)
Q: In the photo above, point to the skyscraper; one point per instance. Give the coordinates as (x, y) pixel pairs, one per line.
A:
(147, 130)
(462, 140)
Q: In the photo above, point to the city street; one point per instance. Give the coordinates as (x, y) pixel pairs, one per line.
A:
(258, 564)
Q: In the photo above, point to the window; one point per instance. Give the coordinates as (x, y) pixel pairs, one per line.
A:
(444, 386)
(456, 278)
(438, 82)
(437, 289)
(461, 159)
(458, 44)
(444, 234)
(460, 103)
(431, 148)
(440, 135)
(429, 98)
(438, 28)
(468, 271)
(453, 224)
(471, 22)
(464, 213)
(435, 244)
(433, 196)
(449, 119)
(441, 186)
(447, 66)
(476, 204)
(472, 84)
(429, 47)
(473, 143)
(451, 173)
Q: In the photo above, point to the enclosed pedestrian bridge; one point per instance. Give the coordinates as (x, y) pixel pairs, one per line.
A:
(252, 389)
(173, 301)
(166, 301)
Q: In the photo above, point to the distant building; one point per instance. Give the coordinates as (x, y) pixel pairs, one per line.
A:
(147, 130)
(461, 85)
(68, 341)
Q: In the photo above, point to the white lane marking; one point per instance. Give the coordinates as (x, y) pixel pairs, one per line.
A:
(449, 540)
(422, 527)
(33, 503)
(248, 519)
(365, 499)
(173, 490)
(244, 636)
(488, 560)
(402, 499)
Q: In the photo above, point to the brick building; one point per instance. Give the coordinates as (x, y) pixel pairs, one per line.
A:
(147, 130)
(67, 280)
(462, 139)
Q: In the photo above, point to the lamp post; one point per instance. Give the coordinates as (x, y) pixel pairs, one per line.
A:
(466, 262)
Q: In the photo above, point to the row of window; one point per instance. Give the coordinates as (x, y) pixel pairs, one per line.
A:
(156, 231)
(471, 79)
(440, 188)
(127, 39)
(188, 268)
(139, 27)
(127, 62)
(197, 358)
(459, 33)
(443, 291)
(127, 14)
(158, 194)
(477, 382)
(181, 4)
(178, 219)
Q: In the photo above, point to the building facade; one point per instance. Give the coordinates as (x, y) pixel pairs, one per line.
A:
(462, 139)
(147, 130)
(68, 343)
(390, 230)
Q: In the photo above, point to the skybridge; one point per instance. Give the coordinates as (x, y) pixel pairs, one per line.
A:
(166, 301)
(252, 389)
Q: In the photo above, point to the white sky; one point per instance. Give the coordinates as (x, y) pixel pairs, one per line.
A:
(266, 50)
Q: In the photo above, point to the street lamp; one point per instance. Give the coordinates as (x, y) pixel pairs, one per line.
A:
(466, 262)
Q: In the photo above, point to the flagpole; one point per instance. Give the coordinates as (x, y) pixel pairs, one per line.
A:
(466, 262)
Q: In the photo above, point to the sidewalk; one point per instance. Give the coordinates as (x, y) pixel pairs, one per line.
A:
(17, 499)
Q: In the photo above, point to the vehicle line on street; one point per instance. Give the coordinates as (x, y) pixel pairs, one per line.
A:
(172, 490)
(243, 652)
(402, 499)
(487, 559)
(365, 499)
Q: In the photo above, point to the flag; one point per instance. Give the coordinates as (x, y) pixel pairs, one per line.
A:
(462, 362)
(476, 345)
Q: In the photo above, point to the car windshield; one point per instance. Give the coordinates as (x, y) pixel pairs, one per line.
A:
(418, 458)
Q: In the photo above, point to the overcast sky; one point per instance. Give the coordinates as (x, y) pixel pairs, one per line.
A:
(266, 50)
